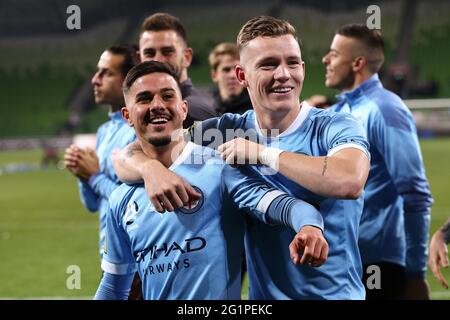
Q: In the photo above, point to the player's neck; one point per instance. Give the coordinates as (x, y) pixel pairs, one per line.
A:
(183, 76)
(114, 107)
(165, 154)
(360, 77)
(275, 123)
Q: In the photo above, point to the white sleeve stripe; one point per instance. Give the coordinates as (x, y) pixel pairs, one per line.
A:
(266, 200)
(118, 269)
(348, 145)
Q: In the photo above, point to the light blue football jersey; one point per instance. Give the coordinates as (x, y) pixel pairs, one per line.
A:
(314, 132)
(397, 195)
(94, 194)
(194, 252)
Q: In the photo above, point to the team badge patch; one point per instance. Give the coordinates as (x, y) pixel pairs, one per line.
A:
(195, 205)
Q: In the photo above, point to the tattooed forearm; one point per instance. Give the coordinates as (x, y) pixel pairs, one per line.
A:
(130, 151)
(325, 165)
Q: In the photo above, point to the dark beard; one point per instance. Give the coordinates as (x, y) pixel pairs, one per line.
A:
(160, 142)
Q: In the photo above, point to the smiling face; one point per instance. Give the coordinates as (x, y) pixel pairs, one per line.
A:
(166, 46)
(273, 71)
(339, 62)
(154, 108)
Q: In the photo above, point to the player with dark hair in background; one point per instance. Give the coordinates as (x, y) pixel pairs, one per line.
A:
(395, 223)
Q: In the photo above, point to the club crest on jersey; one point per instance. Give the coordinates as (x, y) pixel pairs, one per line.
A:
(194, 206)
(131, 212)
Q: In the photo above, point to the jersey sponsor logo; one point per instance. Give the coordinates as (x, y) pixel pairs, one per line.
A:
(167, 267)
(131, 213)
(193, 206)
(165, 249)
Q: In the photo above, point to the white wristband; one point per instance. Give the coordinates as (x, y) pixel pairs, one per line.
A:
(269, 157)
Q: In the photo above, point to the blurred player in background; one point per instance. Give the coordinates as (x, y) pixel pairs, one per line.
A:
(229, 95)
(163, 38)
(93, 168)
(395, 223)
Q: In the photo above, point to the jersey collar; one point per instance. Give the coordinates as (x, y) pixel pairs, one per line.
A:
(301, 117)
(183, 156)
(115, 116)
(372, 82)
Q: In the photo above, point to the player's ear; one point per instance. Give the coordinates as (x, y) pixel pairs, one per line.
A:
(138, 56)
(214, 75)
(126, 115)
(359, 63)
(304, 68)
(187, 57)
(240, 75)
(184, 107)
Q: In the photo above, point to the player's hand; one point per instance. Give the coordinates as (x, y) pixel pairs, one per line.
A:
(309, 247)
(71, 158)
(416, 289)
(438, 257)
(240, 151)
(318, 101)
(166, 190)
(88, 163)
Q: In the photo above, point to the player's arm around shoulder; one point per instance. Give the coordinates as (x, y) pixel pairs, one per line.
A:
(341, 172)
(275, 207)
(340, 175)
(165, 189)
(341, 167)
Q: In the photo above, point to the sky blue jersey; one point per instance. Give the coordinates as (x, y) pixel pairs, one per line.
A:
(397, 201)
(194, 252)
(314, 132)
(94, 193)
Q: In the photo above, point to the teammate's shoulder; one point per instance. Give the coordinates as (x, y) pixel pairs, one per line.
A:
(127, 133)
(235, 120)
(392, 109)
(204, 155)
(329, 115)
(385, 99)
(122, 194)
(104, 126)
(247, 114)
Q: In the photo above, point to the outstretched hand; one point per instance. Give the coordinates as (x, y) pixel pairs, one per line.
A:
(309, 247)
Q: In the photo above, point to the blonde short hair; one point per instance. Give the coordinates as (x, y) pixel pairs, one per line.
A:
(264, 26)
(222, 49)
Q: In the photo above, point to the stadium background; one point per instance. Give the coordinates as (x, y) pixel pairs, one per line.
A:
(46, 98)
